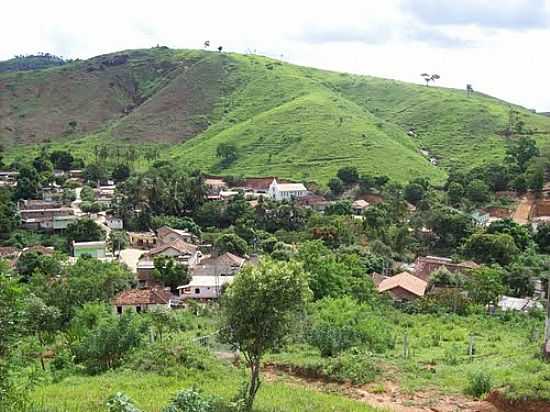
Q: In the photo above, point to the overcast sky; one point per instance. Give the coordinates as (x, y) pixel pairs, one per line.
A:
(501, 47)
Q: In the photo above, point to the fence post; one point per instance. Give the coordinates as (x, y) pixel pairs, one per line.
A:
(471, 347)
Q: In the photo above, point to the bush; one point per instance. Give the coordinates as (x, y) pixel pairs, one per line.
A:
(479, 384)
(190, 400)
(165, 357)
(121, 403)
(357, 367)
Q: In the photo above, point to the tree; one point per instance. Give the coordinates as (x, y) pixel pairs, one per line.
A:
(121, 172)
(220, 48)
(227, 152)
(170, 273)
(521, 151)
(430, 78)
(535, 178)
(176, 222)
(348, 175)
(87, 194)
(28, 183)
(336, 185)
(519, 184)
(85, 230)
(11, 325)
(521, 234)
(455, 193)
(31, 262)
(95, 172)
(62, 160)
(342, 208)
(469, 89)
(414, 193)
(118, 240)
(206, 44)
(477, 191)
(485, 284)
(259, 309)
(488, 248)
(9, 218)
(542, 237)
(230, 242)
(42, 321)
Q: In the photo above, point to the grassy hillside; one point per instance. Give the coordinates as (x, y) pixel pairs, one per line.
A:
(285, 120)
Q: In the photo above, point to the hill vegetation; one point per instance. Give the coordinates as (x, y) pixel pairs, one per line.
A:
(282, 119)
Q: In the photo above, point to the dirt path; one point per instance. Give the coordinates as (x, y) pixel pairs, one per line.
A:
(385, 395)
(521, 215)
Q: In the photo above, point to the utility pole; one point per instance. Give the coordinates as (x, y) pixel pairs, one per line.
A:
(546, 348)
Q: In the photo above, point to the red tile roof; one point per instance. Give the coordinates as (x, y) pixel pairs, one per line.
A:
(142, 297)
(405, 281)
(179, 245)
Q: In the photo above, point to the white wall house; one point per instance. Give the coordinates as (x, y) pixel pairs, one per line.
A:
(204, 287)
(286, 191)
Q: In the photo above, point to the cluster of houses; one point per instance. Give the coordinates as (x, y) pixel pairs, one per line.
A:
(209, 273)
(413, 283)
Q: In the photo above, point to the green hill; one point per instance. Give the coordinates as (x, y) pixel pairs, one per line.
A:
(284, 120)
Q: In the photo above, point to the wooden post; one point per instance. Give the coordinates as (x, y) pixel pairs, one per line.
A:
(471, 347)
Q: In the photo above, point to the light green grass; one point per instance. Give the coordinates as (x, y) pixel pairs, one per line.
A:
(151, 392)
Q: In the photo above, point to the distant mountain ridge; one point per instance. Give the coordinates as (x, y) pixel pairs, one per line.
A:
(285, 120)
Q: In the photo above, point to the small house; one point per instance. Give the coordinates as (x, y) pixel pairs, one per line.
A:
(204, 287)
(184, 252)
(227, 264)
(286, 191)
(518, 304)
(426, 265)
(93, 249)
(167, 234)
(403, 287)
(142, 300)
(142, 240)
(114, 223)
(359, 206)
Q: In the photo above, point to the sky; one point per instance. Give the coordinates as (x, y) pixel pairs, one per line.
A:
(500, 47)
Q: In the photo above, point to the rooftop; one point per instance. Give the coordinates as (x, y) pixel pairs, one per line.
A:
(142, 297)
(208, 281)
(405, 281)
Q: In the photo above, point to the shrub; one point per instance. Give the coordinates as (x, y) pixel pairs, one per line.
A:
(190, 400)
(164, 357)
(357, 367)
(479, 384)
(121, 403)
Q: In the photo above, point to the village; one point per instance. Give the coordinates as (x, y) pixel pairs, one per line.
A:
(210, 271)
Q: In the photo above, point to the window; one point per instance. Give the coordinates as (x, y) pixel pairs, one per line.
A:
(197, 291)
(119, 310)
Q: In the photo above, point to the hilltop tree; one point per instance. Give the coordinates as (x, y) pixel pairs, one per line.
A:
(469, 89)
(336, 185)
(348, 175)
(220, 48)
(259, 309)
(430, 78)
(206, 44)
(227, 152)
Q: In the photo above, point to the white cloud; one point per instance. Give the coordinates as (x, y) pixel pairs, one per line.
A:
(498, 46)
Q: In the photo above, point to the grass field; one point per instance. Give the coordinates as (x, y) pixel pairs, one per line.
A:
(151, 392)
(508, 351)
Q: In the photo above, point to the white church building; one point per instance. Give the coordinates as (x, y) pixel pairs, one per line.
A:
(286, 191)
